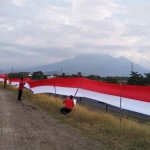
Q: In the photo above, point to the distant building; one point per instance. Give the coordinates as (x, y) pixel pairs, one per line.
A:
(30, 75)
(50, 77)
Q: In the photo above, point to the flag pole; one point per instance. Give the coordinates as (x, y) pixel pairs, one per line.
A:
(120, 101)
(79, 86)
(55, 88)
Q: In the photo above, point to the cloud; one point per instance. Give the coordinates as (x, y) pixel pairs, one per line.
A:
(101, 47)
(96, 9)
(138, 29)
(59, 29)
(144, 49)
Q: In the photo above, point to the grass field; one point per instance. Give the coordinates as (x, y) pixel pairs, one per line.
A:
(128, 134)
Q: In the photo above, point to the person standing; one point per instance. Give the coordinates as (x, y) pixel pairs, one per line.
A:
(20, 89)
(69, 104)
(5, 81)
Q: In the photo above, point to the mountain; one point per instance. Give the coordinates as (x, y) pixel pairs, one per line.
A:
(97, 64)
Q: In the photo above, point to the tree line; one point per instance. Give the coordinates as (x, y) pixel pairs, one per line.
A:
(135, 78)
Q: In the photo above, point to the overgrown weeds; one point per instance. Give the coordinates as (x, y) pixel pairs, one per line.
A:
(127, 135)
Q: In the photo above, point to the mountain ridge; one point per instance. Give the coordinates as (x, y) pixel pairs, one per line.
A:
(97, 64)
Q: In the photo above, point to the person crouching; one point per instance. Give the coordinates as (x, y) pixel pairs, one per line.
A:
(69, 104)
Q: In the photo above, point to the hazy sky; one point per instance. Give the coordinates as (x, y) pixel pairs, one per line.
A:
(38, 32)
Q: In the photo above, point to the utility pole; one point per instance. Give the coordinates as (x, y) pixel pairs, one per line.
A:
(132, 67)
(12, 69)
(61, 71)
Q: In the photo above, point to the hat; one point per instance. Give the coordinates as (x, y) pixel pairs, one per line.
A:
(71, 97)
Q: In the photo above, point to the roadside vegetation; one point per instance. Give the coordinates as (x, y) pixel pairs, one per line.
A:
(129, 134)
(135, 78)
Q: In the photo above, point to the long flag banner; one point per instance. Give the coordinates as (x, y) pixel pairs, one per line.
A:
(15, 81)
(2, 76)
(133, 98)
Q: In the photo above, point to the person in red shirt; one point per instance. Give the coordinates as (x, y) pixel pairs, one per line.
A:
(21, 86)
(69, 104)
(5, 81)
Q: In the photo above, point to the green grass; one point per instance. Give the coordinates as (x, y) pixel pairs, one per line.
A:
(127, 135)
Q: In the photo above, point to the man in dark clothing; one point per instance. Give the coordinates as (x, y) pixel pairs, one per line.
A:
(21, 86)
(5, 81)
(69, 104)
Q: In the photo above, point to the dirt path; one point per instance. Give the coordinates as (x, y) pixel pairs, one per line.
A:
(23, 127)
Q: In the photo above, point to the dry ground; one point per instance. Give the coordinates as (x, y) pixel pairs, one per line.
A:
(24, 127)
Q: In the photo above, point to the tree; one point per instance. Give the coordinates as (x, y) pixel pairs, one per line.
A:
(147, 76)
(63, 74)
(136, 79)
(111, 79)
(79, 74)
(74, 75)
(94, 77)
(38, 75)
(18, 75)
